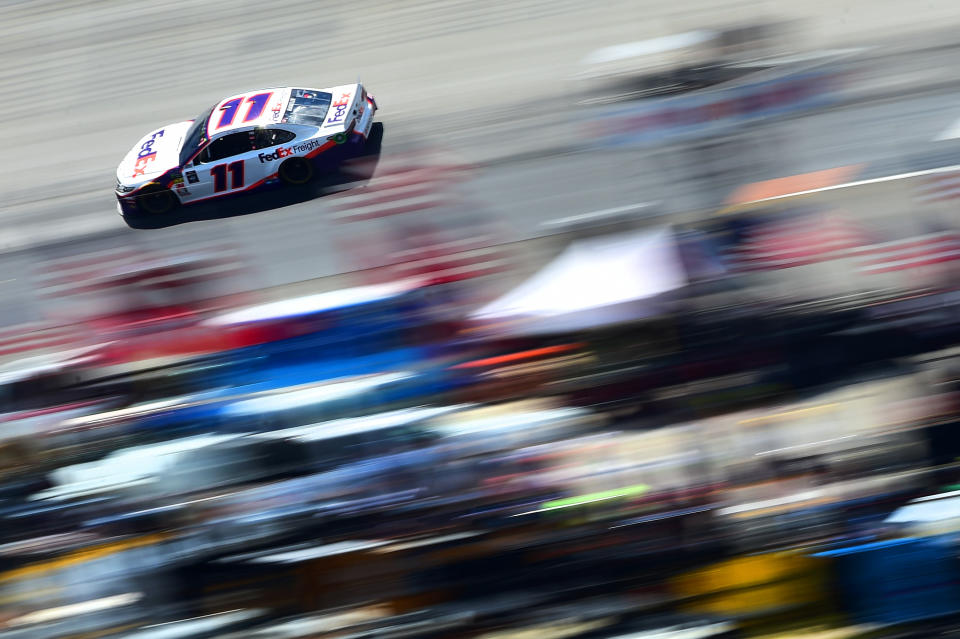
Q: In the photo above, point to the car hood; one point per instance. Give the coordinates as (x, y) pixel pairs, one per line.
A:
(154, 154)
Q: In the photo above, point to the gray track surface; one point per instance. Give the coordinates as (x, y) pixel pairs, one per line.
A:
(83, 80)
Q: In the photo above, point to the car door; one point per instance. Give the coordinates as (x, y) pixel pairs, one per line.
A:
(228, 164)
(272, 148)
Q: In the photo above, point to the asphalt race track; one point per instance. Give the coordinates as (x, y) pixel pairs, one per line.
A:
(491, 87)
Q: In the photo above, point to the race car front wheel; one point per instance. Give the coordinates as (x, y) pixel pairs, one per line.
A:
(296, 171)
(157, 201)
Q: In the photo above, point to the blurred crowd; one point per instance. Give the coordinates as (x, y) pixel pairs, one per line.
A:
(367, 462)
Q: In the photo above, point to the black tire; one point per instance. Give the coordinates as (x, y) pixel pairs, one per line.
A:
(296, 171)
(156, 201)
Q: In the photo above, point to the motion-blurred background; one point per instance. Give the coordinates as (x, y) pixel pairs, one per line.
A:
(640, 322)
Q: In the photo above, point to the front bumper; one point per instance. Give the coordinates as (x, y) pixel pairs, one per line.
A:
(126, 204)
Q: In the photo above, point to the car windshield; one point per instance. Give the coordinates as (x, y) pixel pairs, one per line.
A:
(196, 136)
(307, 107)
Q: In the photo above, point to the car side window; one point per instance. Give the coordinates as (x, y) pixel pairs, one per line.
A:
(227, 146)
(268, 137)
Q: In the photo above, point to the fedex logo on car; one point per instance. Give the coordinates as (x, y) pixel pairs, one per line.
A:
(276, 155)
(339, 109)
(281, 152)
(146, 154)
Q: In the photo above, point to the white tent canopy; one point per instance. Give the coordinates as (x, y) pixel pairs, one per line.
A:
(594, 282)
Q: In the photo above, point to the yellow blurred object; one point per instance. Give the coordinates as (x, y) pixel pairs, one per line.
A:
(80, 556)
(753, 585)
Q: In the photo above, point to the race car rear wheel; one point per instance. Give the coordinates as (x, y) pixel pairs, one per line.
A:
(295, 171)
(157, 200)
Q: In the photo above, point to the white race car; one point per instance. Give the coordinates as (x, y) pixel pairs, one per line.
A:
(243, 143)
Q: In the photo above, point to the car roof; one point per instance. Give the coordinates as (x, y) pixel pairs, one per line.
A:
(233, 112)
(266, 106)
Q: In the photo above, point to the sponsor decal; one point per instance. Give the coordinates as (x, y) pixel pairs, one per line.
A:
(192, 177)
(282, 152)
(339, 138)
(276, 155)
(146, 154)
(339, 109)
(306, 147)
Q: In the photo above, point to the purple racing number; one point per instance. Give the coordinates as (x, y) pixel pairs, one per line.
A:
(228, 111)
(256, 104)
(219, 174)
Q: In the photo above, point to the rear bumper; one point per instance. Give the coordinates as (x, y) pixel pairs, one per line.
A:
(363, 126)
